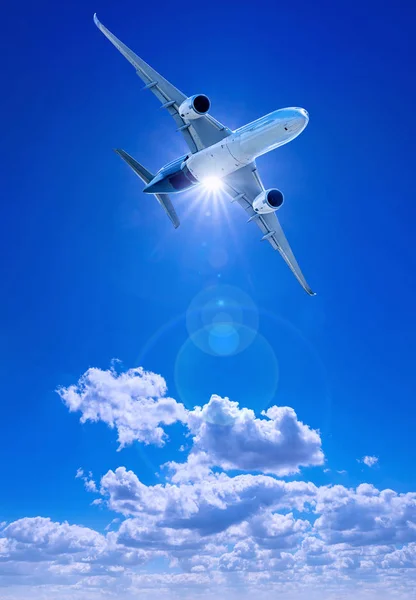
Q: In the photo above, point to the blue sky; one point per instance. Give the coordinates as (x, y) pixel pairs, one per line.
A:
(93, 271)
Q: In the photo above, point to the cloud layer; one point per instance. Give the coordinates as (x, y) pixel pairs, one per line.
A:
(235, 535)
(205, 531)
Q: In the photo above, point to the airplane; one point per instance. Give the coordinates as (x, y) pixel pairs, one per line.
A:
(216, 153)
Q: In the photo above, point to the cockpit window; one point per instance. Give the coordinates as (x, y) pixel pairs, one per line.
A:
(257, 124)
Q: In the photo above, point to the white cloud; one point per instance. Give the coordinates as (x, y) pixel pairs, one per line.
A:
(38, 552)
(133, 402)
(40, 539)
(88, 480)
(370, 461)
(313, 552)
(91, 486)
(365, 515)
(207, 534)
(247, 556)
(270, 552)
(277, 531)
(196, 468)
(234, 438)
(209, 505)
(404, 558)
(224, 434)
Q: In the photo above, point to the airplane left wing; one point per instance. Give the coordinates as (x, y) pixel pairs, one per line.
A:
(198, 134)
(244, 186)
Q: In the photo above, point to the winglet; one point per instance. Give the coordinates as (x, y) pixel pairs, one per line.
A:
(96, 21)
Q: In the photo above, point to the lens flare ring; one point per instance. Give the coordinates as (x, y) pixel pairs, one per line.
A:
(222, 320)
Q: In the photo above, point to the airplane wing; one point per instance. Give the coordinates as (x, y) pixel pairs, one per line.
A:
(199, 134)
(243, 186)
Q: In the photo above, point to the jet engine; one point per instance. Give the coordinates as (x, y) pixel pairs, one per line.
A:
(194, 107)
(268, 201)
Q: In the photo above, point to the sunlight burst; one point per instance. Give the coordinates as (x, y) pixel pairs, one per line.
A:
(212, 184)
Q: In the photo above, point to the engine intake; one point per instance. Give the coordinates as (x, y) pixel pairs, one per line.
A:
(194, 107)
(268, 201)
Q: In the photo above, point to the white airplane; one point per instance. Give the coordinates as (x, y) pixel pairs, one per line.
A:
(218, 154)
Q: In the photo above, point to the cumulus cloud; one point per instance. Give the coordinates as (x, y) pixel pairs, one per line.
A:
(36, 539)
(223, 434)
(210, 505)
(403, 558)
(267, 550)
(314, 552)
(234, 438)
(261, 508)
(88, 480)
(39, 539)
(370, 461)
(277, 531)
(39, 555)
(246, 555)
(133, 402)
(197, 467)
(365, 515)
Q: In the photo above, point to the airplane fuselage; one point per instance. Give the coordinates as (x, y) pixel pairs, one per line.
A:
(232, 153)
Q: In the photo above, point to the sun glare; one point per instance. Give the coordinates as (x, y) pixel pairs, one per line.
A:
(212, 184)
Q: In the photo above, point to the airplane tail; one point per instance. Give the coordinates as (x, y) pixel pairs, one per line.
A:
(147, 176)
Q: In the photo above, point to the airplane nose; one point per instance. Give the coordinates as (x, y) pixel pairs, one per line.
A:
(301, 119)
(296, 119)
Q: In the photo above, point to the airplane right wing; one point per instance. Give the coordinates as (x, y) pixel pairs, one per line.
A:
(244, 186)
(198, 134)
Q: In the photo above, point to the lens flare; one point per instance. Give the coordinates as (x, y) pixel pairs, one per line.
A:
(222, 320)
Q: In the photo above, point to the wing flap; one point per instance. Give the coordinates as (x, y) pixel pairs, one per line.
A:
(273, 232)
(244, 186)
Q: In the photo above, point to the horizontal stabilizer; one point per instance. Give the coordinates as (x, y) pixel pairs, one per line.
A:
(141, 171)
(147, 176)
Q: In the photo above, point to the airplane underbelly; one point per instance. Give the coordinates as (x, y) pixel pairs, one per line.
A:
(214, 161)
(238, 150)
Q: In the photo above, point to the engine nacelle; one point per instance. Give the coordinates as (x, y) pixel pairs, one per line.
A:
(268, 201)
(194, 107)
